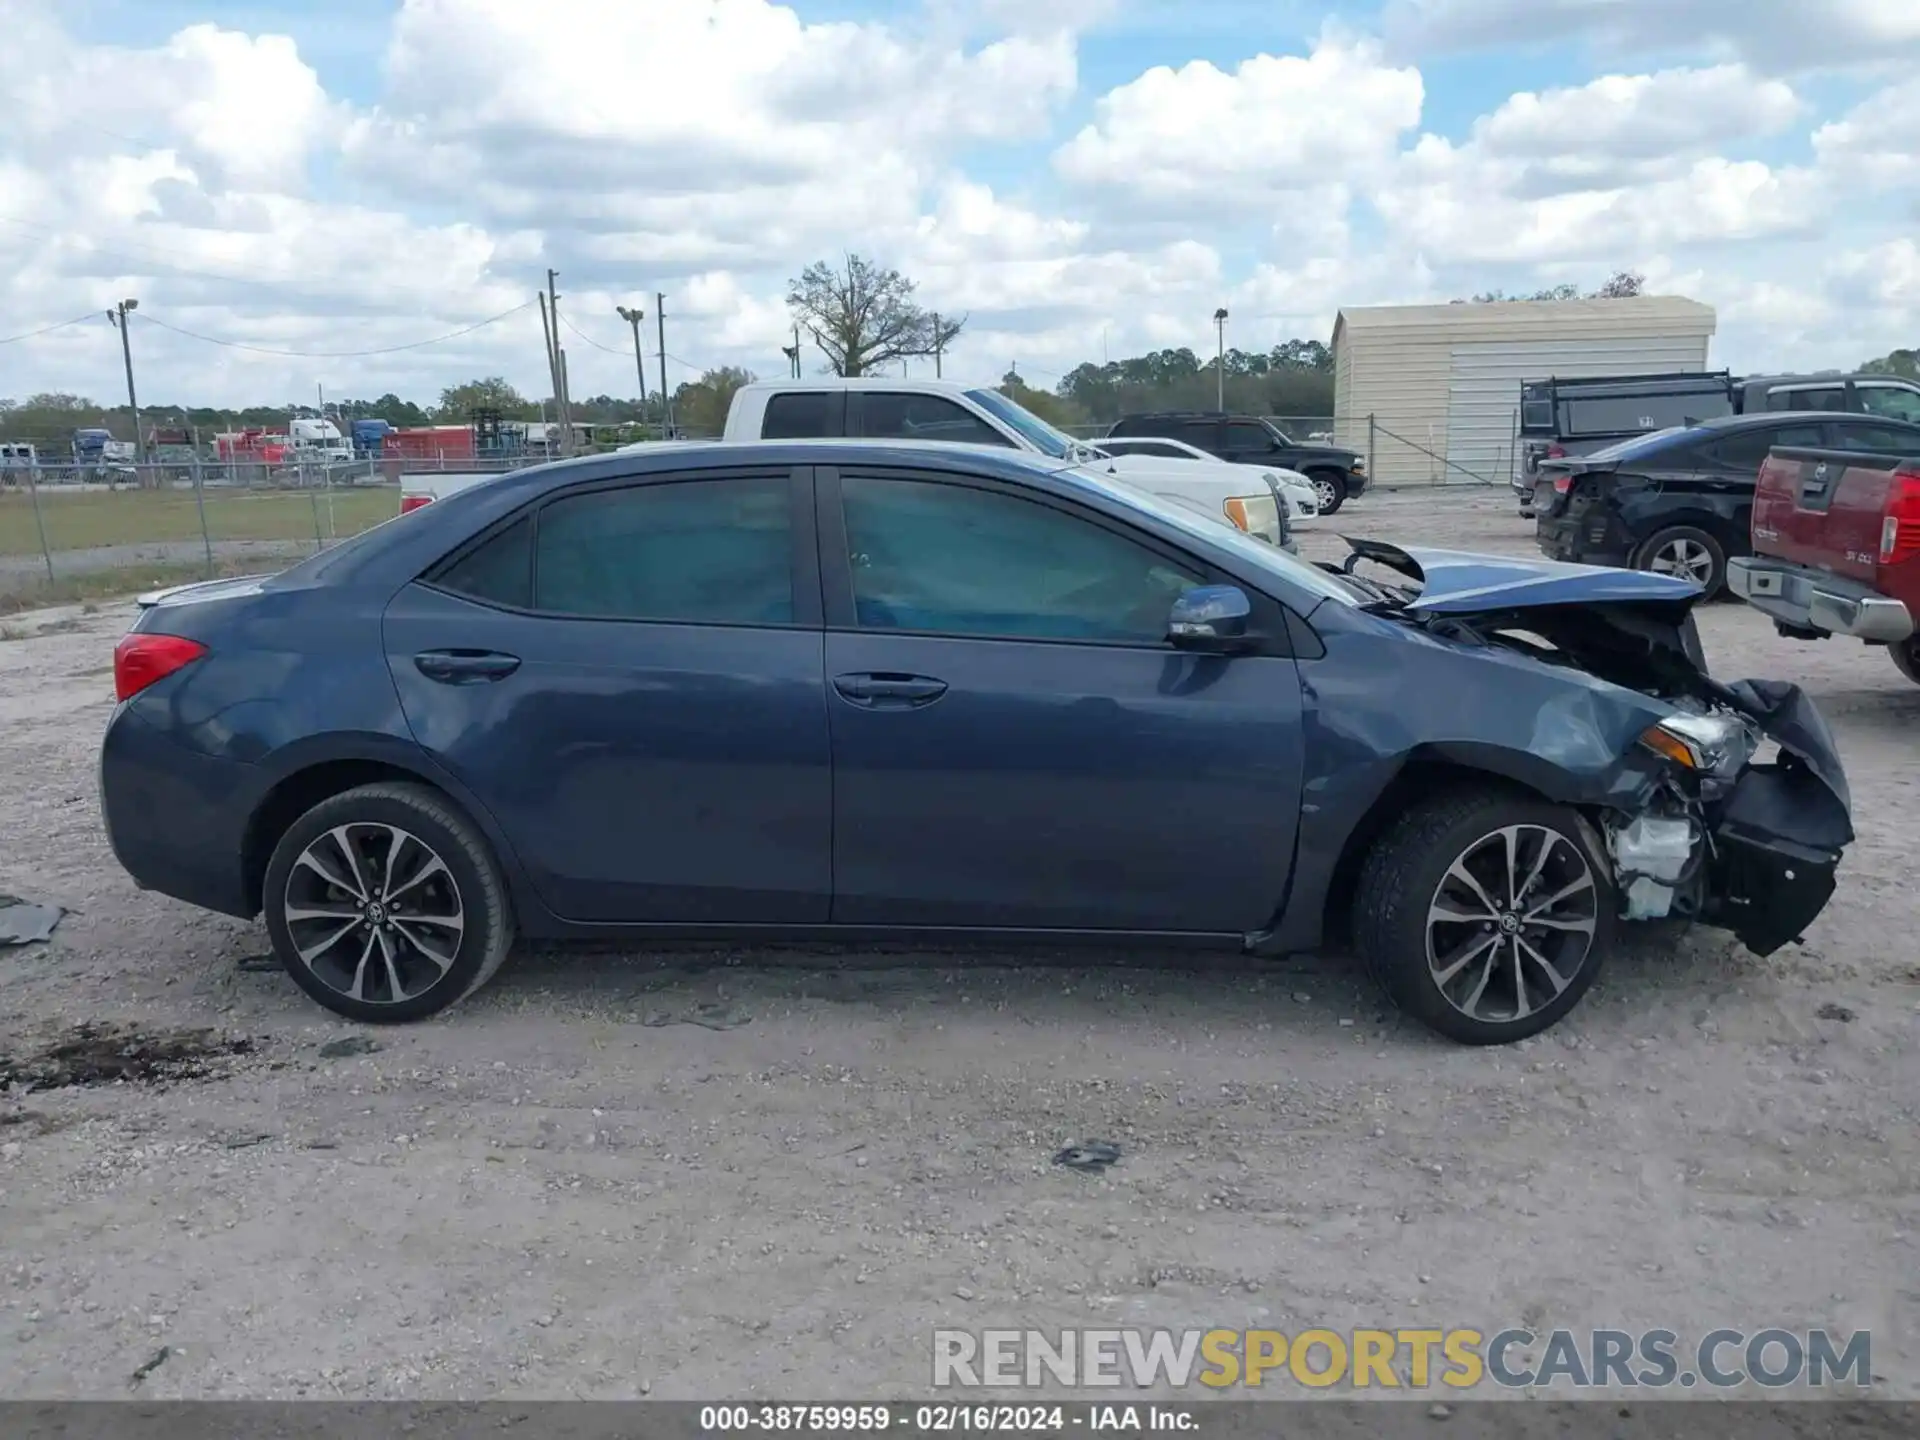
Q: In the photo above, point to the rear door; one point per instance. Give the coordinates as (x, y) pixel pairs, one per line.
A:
(1200, 432)
(628, 676)
(1015, 745)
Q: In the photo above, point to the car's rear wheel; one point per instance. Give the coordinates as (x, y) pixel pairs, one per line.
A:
(1906, 657)
(1331, 488)
(1688, 553)
(386, 905)
(1485, 917)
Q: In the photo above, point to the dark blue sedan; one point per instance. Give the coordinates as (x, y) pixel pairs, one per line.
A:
(868, 692)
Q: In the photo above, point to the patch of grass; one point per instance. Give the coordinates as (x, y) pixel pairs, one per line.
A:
(85, 519)
(108, 585)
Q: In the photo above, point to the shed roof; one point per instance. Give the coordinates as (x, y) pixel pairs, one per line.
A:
(1507, 315)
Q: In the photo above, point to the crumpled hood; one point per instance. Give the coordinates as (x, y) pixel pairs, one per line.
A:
(1460, 582)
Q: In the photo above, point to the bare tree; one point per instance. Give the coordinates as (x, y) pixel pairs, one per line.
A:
(1622, 285)
(863, 315)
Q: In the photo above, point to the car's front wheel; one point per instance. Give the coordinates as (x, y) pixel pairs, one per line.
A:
(1330, 486)
(1486, 916)
(385, 904)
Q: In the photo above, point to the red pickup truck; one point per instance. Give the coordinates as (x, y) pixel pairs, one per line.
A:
(1836, 549)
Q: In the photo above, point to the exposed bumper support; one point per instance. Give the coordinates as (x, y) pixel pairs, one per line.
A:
(1810, 599)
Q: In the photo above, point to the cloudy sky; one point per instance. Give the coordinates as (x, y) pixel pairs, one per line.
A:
(1079, 176)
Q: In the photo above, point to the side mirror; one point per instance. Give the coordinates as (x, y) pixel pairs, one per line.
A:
(1210, 619)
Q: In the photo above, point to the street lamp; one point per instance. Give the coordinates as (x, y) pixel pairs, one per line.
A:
(633, 315)
(1220, 331)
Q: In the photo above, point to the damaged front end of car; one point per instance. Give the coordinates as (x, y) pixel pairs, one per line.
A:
(1732, 808)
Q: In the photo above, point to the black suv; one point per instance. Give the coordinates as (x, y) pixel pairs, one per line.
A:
(1337, 474)
(1680, 501)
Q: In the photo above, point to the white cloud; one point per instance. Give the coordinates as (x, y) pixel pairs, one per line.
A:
(711, 150)
(1230, 141)
(1786, 35)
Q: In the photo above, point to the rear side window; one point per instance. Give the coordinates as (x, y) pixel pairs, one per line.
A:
(1202, 433)
(798, 415)
(1747, 452)
(712, 552)
(499, 572)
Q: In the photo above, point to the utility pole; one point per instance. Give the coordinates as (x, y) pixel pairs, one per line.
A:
(666, 401)
(118, 318)
(792, 352)
(561, 402)
(938, 344)
(633, 315)
(1220, 329)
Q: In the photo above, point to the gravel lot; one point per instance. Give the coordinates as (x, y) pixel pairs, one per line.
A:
(544, 1194)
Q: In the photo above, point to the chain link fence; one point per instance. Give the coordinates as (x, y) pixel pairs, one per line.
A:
(74, 532)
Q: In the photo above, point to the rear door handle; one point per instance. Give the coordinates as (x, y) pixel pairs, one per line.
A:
(465, 667)
(889, 690)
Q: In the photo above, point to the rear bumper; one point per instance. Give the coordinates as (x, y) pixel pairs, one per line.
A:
(175, 819)
(1571, 539)
(1810, 599)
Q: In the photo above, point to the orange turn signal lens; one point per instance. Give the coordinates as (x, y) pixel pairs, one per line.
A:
(1237, 512)
(1665, 743)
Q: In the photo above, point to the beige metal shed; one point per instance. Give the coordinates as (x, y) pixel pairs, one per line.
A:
(1435, 389)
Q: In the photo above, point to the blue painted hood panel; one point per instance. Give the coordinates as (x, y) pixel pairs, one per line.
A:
(1459, 582)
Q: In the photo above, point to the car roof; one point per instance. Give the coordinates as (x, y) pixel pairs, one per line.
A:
(1766, 418)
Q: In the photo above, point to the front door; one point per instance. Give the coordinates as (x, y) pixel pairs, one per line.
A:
(1014, 743)
(629, 679)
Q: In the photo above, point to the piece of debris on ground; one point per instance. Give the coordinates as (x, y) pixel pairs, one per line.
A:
(1831, 1011)
(22, 922)
(350, 1045)
(1088, 1155)
(152, 1363)
(713, 1017)
(93, 1054)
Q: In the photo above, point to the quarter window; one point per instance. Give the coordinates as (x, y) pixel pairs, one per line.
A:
(798, 415)
(954, 560)
(713, 552)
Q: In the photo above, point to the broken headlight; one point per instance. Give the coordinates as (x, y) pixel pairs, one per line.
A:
(1710, 744)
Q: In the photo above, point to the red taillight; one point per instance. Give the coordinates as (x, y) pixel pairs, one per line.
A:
(1900, 523)
(1562, 484)
(1556, 452)
(414, 502)
(139, 660)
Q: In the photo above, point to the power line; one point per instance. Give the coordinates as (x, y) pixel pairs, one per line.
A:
(610, 349)
(337, 354)
(48, 330)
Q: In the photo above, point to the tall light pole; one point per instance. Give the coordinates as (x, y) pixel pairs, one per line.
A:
(633, 315)
(1220, 331)
(117, 317)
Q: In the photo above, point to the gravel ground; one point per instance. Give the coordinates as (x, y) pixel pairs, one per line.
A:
(547, 1192)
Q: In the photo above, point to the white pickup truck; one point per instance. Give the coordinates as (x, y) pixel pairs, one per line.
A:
(1265, 502)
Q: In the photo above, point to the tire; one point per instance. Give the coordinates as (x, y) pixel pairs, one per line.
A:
(1332, 488)
(1687, 552)
(1906, 658)
(1402, 879)
(447, 937)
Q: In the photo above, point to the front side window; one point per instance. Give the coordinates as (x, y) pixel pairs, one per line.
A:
(1881, 439)
(1249, 438)
(714, 552)
(954, 560)
(888, 416)
(1894, 401)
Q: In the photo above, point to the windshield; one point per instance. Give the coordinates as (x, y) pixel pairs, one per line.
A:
(1270, 558)
(1042, 436)
(1638, 445)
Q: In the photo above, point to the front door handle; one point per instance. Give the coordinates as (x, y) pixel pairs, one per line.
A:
(465, 667)
(887, 690)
